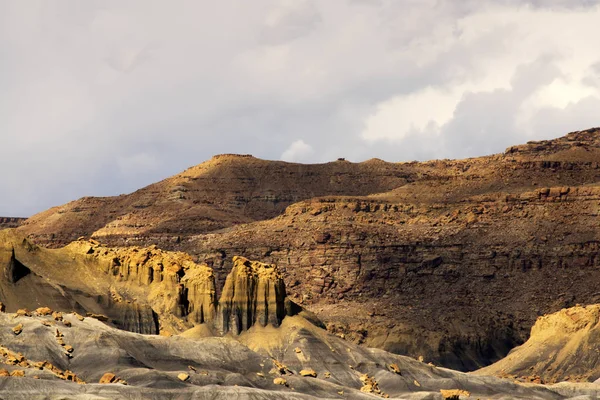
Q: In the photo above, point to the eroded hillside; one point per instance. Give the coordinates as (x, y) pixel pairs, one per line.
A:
(452, 260)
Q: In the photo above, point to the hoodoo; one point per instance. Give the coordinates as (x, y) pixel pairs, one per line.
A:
(253, 293)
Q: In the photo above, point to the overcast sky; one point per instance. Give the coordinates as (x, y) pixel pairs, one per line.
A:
(104, 97)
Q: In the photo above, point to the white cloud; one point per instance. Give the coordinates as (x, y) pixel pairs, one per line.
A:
(528, 35)
(298, 151)
(85, 85)
(425, 110)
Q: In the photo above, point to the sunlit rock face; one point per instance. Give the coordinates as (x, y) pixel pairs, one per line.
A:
(140, 289)
(254, 293)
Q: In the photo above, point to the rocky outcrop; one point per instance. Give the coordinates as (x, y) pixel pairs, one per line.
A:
(10, 222)
(221, 192)
(254, 293)
(171, 283)
(144, 290)
(562, 346)
(452, 260)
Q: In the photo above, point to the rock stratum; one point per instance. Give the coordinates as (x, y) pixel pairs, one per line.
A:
(143, 290)
(10, 222)
(452, 260)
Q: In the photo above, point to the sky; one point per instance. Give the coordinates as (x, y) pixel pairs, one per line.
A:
(100, 98)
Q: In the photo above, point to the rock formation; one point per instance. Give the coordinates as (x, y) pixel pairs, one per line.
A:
(562, 346)
(224, 191)
(134, 366)
(254, 293)
(10, 222)
(452, 260)
(143, 290)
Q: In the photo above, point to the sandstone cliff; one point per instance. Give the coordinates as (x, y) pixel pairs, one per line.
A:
(144, 290)
(254, 293)
(221, 192)
(450, 259)
(562, 346)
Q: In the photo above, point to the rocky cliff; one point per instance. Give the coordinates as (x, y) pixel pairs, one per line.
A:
(10, 222)
(254, 293)
(452, 260)
(221, 192)
(144, 290)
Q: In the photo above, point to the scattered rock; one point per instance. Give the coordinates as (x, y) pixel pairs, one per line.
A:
(108, 377)
(395, 369)
(18, 329)
(18, 373)
(370, 385)
(43, 311)
(99, 317)
(67, 323)
(57, 316)
(454, 394)
(281, 368)
(23, 313)
(183, 377)
(309, 372)
(280, 381)
(4, 372)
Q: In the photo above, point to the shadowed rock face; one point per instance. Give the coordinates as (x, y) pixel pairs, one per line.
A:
(254, 293)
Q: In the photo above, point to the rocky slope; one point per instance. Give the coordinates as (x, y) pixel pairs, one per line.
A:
(222, 192)
(452, 260)
(562, 346)
(81, 358)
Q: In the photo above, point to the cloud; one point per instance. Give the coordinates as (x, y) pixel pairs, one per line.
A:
(101, 98)
(298, 151)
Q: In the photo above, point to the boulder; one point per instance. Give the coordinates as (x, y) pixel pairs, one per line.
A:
(454, 394)
(43, 311)
(108, 377)
(183, 377)
(280, 381)
(308, 372)
(17, 329)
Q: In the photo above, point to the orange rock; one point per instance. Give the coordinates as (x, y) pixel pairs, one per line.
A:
(43, 311)
(18, 329)
(108, 377)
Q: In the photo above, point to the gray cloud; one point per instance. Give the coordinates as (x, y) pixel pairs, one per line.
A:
(103, 97)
